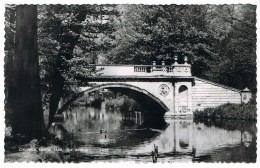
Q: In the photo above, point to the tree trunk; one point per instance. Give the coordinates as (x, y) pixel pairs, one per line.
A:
(27, 107)
(66, 50)
(9, 57)
(57, 91)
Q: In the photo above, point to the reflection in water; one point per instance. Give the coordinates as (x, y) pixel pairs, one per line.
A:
(119, 134)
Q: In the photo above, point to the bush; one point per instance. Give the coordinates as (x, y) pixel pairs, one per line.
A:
(123, 103)
(229, 111)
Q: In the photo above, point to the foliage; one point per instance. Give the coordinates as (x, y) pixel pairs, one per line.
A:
(220, 40)
(236, 26)
(81, 101)
(68, 37)
(124, 103)
(229, 111)
(160, 32)
(129, 104)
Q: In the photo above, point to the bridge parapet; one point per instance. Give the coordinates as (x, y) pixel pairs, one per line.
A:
(144, 70)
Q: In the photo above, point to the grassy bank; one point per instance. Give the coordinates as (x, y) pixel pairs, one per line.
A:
(229, 111)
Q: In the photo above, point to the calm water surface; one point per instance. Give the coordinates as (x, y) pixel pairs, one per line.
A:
(97, 134)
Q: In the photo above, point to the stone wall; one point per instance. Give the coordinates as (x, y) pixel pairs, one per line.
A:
(209, 94)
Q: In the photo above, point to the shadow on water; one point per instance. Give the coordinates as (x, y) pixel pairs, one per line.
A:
(154, 122)
(154, 118)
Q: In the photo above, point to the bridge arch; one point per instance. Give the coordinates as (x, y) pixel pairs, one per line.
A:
(131, 87)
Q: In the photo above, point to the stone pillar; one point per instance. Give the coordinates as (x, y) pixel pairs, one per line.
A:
(163, 63)
(246, 95)
(185, 60)
(176, 99)
(189, 84)
(175, 60)
(154, 63)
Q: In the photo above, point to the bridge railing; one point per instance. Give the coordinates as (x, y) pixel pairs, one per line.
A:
(144, 70)
(152, 68)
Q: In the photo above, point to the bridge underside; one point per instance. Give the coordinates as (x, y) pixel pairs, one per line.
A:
(147, 100)
(152, 107)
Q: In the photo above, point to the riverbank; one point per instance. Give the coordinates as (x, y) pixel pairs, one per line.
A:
(229, 111)
(26, 154)
(19, 148)
(32, 152)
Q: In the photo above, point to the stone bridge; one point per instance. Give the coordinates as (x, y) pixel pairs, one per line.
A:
(171, 87)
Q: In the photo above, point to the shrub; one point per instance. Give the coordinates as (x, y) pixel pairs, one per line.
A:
(229, 111)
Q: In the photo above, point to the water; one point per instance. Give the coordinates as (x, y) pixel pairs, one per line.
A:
(97, 134)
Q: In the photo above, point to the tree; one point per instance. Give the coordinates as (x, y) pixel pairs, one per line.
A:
(69, 38)
(158, 33)
(9, 58)
(67, 35)
(26, 104)
(220, 40)
(236, 26)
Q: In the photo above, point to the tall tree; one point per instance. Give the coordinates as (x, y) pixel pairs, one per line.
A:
(70, 36)
(27, 105)
(160, 32)
(9, 58)
(212, 36)
(67, 37)
(236, 26)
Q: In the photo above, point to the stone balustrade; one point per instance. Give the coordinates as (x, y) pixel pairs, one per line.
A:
(143, 70)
